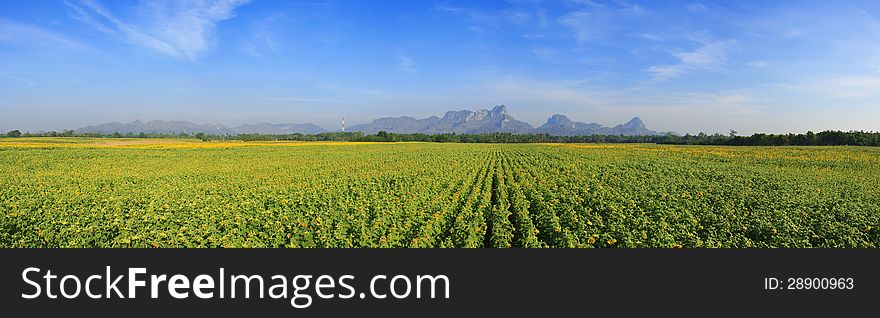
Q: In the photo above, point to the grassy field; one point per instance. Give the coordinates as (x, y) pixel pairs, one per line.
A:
(78, 192)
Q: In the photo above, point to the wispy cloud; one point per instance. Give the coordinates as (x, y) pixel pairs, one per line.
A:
(648, 36)
(696, 7)
(586, 2)
(793, 33)
(709, 56)
(710, 111)
(180, 29)
(539, 91)
(847, 86)
(629, 7)
(853, 86)
(592, 20)
(406, 64)
(11, 31)
(263, 40)
(22, 81)
(305, 100)
(481, 21)
(582, 23)
(546, 54)
(345, 89)
(759, 64)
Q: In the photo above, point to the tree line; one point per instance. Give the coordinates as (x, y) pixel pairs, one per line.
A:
(824, 138)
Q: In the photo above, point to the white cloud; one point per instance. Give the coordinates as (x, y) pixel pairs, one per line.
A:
(759, 64)
(582, 22)
(649, 37)
(546, 54)
(629, 7)
(406, 64)
(534, 36)
(483, 20)
(262, 38)
(664, 72)
(710, 56)
(587, 3)
(696, 7)
(180, 29)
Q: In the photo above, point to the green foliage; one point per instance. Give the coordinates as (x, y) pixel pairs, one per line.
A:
(13, 134)
(82, 193)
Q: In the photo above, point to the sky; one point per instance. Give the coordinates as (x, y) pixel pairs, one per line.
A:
(684, 66)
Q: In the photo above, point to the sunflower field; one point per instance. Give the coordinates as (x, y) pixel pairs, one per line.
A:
(80, 192)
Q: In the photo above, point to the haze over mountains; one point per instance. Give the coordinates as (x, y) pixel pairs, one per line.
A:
(460, 122)
(177, 127)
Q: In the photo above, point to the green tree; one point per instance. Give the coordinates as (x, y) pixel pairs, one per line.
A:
(383, 134)
(14, 134)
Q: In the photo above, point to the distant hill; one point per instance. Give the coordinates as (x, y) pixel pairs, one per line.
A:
(279, 129)
(559, 125)
(497, 120)
(177, 127)
(403, 125)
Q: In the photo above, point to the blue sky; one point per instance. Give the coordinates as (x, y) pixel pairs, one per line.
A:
(686, 66)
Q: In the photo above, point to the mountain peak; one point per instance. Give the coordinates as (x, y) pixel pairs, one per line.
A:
(456, 115)
(558, 119)
(635, 122)
(499, 110)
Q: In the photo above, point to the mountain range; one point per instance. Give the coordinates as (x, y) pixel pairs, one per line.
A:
(497, 120)
(176, 127)
(460, 122)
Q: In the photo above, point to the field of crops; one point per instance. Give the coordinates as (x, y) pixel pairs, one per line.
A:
(69, 192)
